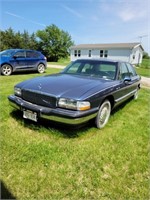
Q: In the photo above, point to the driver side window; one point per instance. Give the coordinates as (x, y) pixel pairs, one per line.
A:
(123, 71)
(20, 54)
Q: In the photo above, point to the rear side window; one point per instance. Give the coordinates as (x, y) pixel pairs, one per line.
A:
(32, 54)
(131, 70)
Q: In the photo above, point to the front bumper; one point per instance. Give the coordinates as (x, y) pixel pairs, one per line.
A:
(55, 114)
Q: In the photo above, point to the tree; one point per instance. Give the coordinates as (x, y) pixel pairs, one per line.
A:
(12, 40)
(54, 42)
(9, 39)
(145, 55)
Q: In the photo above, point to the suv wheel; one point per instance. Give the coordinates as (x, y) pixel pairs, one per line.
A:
(6, 70)
(41, 68)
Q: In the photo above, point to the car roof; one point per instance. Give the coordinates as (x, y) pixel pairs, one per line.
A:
(99, 59)
(20, 50)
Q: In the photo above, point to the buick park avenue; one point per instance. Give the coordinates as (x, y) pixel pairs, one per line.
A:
(86, 89)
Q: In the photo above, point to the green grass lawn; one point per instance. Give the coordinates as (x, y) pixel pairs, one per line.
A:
(144, 68)
(47, 161)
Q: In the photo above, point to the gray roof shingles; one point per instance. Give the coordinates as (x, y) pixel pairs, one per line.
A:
(106, 46)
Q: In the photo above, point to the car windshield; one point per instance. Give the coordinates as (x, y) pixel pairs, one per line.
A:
(101, 69)
(6, 53)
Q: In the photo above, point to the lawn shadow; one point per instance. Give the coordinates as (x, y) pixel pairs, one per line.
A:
(121, 106)
(63, 130)
(26, 73)
(5, 193)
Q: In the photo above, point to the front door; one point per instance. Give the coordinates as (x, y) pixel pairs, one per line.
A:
(18, 60)
(125, 88)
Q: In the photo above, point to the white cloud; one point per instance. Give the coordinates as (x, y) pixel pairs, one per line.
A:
(77, 14)
(14, 15)
(131, 13)
(94, 18)
(20, 17)
(126, 10)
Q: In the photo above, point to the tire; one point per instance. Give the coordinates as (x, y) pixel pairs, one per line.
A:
(6, 70)
(41, 68)
(103, 114)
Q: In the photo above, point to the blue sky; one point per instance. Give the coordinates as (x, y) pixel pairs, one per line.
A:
(87, 21)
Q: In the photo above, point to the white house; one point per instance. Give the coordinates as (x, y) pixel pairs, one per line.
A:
(130, 52)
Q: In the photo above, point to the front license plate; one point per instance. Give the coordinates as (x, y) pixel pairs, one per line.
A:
(28, 114)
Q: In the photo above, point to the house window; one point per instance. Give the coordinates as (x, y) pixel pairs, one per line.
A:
(103, 53)
(90, 53)
(79, 53)
(75, 53)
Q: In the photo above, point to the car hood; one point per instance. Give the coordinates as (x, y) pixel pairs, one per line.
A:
(4, 59)
(63, 85)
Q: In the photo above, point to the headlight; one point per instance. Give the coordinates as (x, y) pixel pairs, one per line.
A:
(73, 104)
(17, 91)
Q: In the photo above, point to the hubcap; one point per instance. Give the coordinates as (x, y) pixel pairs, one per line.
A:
(104, 115)
(41, 68)
(6, 70)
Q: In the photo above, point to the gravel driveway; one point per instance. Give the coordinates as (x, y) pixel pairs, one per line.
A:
(145, 82)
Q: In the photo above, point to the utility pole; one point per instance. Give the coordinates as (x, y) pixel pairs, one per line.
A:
(142, 36)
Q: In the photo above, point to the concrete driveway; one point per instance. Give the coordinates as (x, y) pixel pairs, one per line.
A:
(145, 82)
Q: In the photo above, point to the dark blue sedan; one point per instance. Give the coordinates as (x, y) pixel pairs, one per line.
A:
(84, 90)
(21, 60)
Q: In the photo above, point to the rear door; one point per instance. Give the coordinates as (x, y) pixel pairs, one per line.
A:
(32, 59)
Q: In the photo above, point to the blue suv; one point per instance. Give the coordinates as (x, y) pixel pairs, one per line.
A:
(21, 59)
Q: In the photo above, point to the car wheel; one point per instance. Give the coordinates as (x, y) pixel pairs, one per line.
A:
(6, 70)
(41, 68)
(136, 94)
(103, 114)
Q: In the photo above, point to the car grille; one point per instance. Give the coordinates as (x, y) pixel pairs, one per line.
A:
(39, 98)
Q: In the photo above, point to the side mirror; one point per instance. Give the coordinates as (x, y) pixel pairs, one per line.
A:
(14, 57)
(127, 79)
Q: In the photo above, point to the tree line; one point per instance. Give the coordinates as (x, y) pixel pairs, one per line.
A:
(53, 42)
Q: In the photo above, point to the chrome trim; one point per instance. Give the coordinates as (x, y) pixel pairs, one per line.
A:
(14, 105)
(73, 121)
(40, 92)
(59, 115)
(125, 96)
